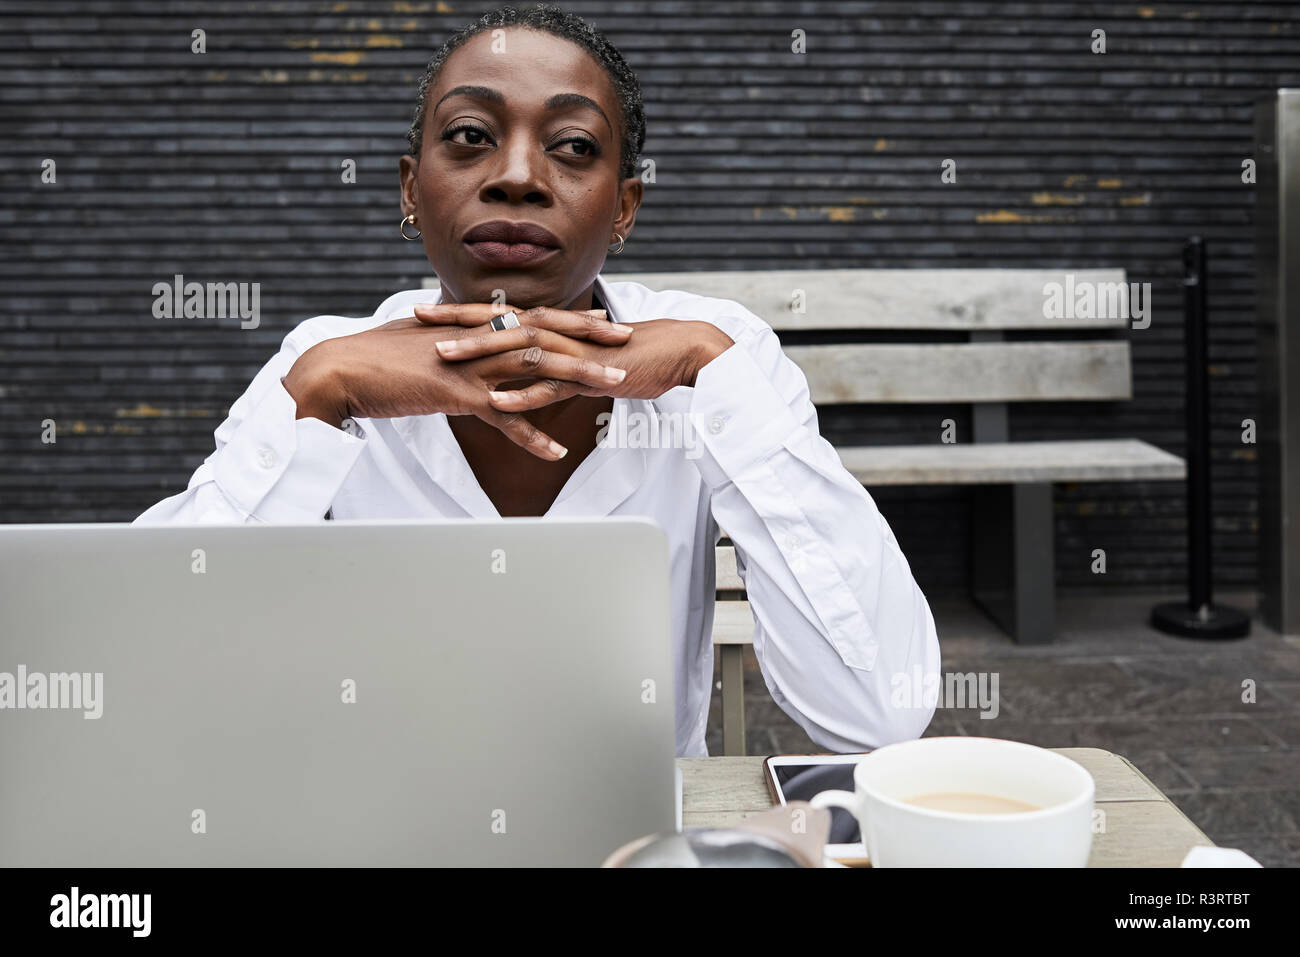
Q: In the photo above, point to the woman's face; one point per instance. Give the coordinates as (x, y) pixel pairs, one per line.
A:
(525, 128)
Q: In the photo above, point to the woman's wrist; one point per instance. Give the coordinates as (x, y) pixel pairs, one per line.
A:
(708, 343)
(315, 390)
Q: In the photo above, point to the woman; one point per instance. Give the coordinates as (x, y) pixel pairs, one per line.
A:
(521, 174)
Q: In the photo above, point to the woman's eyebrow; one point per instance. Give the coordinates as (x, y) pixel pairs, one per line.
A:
(562, 100)
(481, 92)
(556, 102)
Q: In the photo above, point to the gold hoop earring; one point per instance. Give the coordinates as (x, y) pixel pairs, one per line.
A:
(619, 248)
(410, 219)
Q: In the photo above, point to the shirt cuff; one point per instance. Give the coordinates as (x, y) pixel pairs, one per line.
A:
(279, 468)
(737, 415)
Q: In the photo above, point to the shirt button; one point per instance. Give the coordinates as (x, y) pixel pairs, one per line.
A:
(266, 458)
(715, 425)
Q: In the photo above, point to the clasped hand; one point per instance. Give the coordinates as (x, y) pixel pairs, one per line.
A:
(652, 357)
(447, 358)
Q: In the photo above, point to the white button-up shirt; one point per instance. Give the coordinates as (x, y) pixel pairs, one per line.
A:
(841, 627)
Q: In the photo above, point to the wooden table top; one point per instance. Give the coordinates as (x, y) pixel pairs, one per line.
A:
(1142, 827)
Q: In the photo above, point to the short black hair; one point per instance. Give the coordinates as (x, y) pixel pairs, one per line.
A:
(551, 19)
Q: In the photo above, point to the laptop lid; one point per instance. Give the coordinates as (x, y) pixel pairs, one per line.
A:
(344, 693)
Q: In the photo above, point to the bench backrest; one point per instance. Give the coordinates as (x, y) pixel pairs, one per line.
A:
(984, 303)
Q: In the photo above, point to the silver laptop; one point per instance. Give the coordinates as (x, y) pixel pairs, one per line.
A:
(347, 693)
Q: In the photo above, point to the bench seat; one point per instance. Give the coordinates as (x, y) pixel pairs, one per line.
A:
(733, 623)
(1076, 460)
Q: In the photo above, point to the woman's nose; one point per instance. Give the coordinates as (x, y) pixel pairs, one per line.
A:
(518, 173)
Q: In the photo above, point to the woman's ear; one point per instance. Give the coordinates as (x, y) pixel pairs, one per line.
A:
(630, 193)
(407, 167)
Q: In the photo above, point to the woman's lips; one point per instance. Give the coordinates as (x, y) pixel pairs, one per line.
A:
(510, 254)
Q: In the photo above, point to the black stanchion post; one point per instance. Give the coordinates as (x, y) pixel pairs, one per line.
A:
(1198, 617)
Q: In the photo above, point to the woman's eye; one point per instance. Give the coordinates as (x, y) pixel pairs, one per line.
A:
(473, 135)
(581, 146)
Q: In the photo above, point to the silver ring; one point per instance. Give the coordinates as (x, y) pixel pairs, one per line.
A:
(507, 320)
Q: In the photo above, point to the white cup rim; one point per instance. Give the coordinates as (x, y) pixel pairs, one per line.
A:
(1073, 767)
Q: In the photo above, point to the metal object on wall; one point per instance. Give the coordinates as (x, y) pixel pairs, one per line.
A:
(1277, 215)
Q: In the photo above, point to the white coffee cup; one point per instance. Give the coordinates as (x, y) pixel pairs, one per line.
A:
(898, 834)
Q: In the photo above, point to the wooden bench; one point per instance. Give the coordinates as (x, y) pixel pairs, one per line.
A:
(1012, 557)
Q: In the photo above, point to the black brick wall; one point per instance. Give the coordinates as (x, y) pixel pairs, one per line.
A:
(226, 167)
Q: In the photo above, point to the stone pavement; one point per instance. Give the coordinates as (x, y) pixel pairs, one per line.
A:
(1171, 706)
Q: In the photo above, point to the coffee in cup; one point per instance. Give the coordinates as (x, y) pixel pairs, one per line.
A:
(970, 802)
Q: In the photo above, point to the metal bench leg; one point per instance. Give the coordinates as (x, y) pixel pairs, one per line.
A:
(1013, 570)
(733, 699)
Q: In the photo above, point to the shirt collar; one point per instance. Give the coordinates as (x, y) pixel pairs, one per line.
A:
(612, 309)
